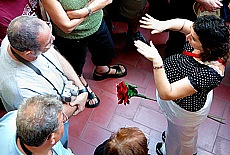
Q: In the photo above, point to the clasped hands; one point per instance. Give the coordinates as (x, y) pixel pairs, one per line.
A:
(77, 104)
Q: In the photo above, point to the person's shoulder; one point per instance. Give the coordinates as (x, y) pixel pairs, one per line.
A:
(8, 123)
(59, 149)
(8, 133)
(9, 117)
(5, 41)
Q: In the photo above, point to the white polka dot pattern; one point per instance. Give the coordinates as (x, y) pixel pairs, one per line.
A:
(202, 78)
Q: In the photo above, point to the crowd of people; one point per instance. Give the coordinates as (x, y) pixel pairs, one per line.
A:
(42, 83)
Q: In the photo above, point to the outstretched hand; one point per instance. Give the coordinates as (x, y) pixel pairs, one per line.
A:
(155, 25)
(150, 52)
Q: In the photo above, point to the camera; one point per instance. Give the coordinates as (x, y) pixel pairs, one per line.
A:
(69, 90)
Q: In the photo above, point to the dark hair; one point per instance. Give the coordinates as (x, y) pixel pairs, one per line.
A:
(22, 33)
(127, 141)
(214, 36)
(37, 118)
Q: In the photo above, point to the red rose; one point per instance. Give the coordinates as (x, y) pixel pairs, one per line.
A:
(122, 93)
(125, 91)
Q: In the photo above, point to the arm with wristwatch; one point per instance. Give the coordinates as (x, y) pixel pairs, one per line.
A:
(90, 8)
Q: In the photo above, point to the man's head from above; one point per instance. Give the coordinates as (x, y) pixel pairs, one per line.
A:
(28, 33)
(40, 120)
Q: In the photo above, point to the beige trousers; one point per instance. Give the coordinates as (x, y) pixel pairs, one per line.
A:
(182, 128)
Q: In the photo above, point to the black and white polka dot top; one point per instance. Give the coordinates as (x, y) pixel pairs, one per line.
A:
(202, 77)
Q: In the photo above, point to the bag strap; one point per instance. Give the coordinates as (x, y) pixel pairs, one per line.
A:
(30, 65)
(44, 13)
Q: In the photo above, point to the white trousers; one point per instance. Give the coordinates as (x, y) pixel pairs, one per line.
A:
(182, 128)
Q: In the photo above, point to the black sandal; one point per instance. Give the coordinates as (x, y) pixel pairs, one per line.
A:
(101, 76)
(163, 136)
(158, 148)
(91, 95)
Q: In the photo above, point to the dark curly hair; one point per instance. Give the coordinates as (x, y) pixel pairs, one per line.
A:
(213, 34)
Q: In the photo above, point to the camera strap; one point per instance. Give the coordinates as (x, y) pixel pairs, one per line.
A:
(30, 65)
(56, 67)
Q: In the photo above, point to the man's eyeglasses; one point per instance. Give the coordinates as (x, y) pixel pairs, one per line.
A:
(50, 25)
(65, 118)
(51, 38)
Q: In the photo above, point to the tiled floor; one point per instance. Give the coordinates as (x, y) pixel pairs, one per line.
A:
(93, 126)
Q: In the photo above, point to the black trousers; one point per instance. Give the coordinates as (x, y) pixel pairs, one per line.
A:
(99, 44)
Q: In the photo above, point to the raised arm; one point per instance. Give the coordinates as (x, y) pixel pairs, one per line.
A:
(167, 91)
(158, 26)
(59, 16)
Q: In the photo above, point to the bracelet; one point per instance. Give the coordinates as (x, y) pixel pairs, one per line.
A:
(90, 11)
(162, 66)
(182, 26)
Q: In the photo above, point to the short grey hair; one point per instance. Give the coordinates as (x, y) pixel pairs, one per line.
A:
(23, 31)
(37, 118)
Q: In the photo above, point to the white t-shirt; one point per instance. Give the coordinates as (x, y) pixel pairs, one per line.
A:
(18, 81)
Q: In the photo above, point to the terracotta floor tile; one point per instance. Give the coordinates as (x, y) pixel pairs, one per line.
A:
(207, 134)
(145, 65)
(218, 106)
(80, 147)
(226, 80)
(137, 77)
(130, 58)
(120, 122)
(128, 110)
(224, 131)
(95, 135)
(104, 112)
(155, 120)
(203, 152)
(107, 85)
(150, 92)
(222, 92)
(77, 123)
(222, 147)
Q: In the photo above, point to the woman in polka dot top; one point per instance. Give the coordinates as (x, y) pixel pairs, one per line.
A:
(185, 81)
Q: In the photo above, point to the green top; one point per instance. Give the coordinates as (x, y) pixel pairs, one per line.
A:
(89, 26)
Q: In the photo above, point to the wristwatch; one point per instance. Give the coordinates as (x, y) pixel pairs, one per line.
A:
(89, 9)
(82, 90)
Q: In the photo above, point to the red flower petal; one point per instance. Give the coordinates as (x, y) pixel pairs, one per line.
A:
(122, 93)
